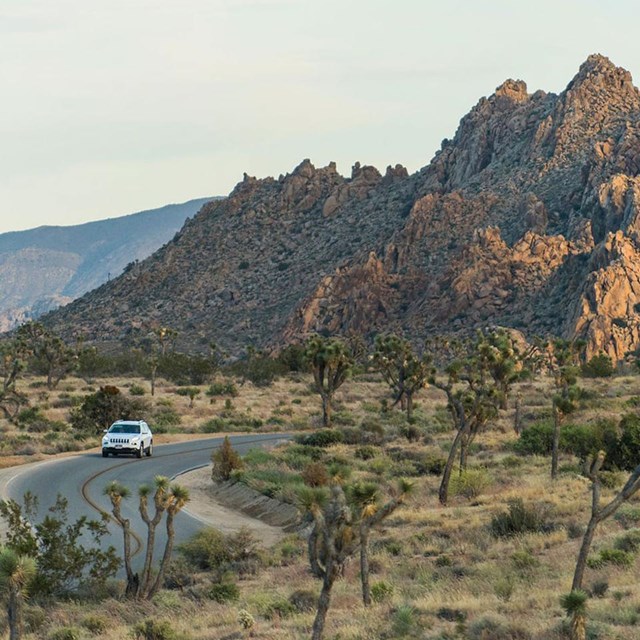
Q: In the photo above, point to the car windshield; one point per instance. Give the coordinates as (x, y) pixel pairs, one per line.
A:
(125, 428)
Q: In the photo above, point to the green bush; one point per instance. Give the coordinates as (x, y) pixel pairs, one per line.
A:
(536, 439)
(155, 630)
(223, 592)
(222, 388)
(225, 461)
(627, 515)
(470, 483)
(65, 633)
(600, 366)
(628, 541)
(95, 624)
(136, 390)
(617, 557)
(278, 608)
(211, 550)
(517, 520)
(321, 438)
(623, 452)
(381, 591)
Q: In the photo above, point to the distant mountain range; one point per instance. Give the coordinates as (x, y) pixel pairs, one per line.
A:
(43, 268)
(528, 218)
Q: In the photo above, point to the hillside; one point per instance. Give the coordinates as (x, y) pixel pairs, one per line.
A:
(49, 266)
(527, 218)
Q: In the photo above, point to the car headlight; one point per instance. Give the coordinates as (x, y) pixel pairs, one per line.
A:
(105, 440)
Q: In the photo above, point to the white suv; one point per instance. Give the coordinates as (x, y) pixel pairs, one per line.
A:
(128, 436)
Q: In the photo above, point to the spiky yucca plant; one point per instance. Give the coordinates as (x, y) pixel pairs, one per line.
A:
(16, 572)
(575, 605)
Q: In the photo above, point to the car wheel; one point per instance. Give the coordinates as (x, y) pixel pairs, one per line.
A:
(139, 451)
(149, 451)
(105, 454)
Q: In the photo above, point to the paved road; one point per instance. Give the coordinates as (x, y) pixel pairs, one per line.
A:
(82, 480)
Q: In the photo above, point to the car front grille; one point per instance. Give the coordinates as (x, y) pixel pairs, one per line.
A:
(119, 441)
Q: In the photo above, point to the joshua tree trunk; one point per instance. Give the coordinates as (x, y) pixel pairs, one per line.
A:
(556, 442)
(517, 420)
(364, 564)
(409, 396)
(324, 601)
(166, 556)
(443, 491)
(14, 611)
(584, 553)
(326, 409)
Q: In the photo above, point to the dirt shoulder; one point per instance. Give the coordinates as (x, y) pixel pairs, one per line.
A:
(204, 506)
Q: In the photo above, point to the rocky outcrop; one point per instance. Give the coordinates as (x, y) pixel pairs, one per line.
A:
(528, 218)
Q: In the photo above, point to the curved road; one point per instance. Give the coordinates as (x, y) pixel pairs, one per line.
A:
(82, 479)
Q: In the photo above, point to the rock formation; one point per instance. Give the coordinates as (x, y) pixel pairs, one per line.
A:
(529, 217)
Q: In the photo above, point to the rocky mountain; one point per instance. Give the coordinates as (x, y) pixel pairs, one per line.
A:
(43, 268)
(528, 218)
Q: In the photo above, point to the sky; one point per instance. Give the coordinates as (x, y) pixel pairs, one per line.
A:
(110, 107)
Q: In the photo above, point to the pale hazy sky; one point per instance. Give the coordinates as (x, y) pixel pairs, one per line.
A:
(115, 106)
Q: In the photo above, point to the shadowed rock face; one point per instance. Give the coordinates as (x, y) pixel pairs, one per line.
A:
(528, 218)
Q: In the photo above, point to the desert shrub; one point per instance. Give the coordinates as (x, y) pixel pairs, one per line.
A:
(258, 367)
(225, 460)
(381, 591)
(223, 592)
(65, 633)
(151, 629)
(600, 366)
(627, 515)
(96, 625)
(371, 432)
(536, 439)
(617, 557)
(599, 588)
(184, 369)
(366, 452)
(503, 587)
(165, 416)
(431, 464)
(623, 452)
(584, 440)
(179, 574)
(321, 438)
(517, 520)
(403, 620)
(303, 601)
(315, 475)
(411, 432)
(523, 560)
(100, 409)
(222, 388)
(136, 390)
(277, 607)
(211, 550)
(495, 629)
(470, 483)
(628, 541)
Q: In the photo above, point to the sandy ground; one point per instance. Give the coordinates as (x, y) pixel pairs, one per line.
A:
(203, 506)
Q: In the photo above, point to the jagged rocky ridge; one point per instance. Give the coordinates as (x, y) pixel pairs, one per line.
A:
(528, 218)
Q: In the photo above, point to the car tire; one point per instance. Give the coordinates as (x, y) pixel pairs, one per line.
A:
(139, 451)
(105, 454)
(149, 451)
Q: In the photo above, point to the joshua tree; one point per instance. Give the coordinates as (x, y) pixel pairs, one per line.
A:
(562, 363)
(337, 535)
(116, 493)
(330, 360)
(166, 336)
(49, 351)
(598, 513)
(474, 395)
(167, 498)
(16, 571)
(367, 497)
(402, 370)
(176, 499)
